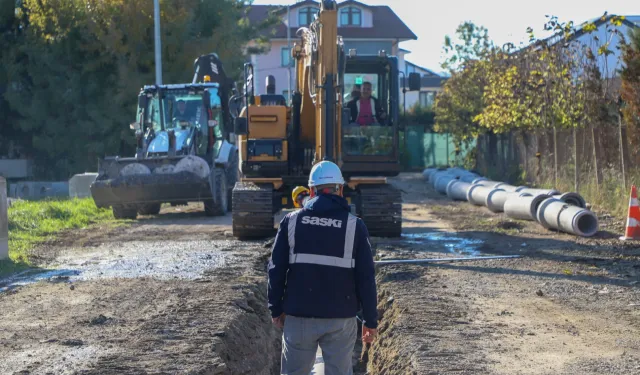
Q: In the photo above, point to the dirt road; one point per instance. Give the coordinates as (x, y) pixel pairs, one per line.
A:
(176, 295)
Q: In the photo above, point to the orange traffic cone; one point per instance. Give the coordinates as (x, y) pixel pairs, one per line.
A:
(633, 218)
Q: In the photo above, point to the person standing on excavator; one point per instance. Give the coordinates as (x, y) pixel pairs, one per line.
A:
(321, 273)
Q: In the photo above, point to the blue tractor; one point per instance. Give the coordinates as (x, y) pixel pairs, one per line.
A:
(185, 148)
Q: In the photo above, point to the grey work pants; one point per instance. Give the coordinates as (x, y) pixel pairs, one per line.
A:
(300, 340)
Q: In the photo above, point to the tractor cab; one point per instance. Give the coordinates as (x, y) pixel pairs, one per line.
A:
(179, 120)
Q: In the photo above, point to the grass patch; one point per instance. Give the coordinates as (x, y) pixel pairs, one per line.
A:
(32, 222)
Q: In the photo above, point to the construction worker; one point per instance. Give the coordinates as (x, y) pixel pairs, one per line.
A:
(300, 195)
(321, 273)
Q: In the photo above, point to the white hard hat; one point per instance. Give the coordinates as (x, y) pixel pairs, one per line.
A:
(325, 173)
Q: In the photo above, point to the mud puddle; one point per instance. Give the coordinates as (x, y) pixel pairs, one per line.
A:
(160, 260)
(33, 276)
(449, 242)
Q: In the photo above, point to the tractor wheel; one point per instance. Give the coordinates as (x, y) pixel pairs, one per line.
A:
(218, 206)
(122, 212)
(150, 209)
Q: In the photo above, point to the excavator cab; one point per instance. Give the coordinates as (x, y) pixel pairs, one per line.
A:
(369, 134)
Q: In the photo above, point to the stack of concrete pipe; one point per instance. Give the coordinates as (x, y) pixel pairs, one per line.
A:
(551, 208)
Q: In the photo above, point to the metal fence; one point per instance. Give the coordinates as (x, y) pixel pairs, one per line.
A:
(421, 148)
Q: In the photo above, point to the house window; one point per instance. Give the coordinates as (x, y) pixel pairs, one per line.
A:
(305, 15)
(285, 57)
(350, 16)
(427, 98)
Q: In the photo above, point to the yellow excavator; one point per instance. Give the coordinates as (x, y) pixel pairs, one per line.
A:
(279, 142)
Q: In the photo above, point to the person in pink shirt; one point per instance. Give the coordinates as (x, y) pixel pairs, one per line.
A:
(366, 110)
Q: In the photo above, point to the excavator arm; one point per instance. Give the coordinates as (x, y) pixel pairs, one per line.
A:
(318, 80)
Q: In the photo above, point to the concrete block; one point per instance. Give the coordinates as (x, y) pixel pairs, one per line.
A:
(4, 220)
(80, 184)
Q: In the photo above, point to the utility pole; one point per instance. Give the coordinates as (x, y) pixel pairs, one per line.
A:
(289, 46)
(156, 17)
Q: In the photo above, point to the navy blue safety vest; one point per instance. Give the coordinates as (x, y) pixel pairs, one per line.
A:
(321, 240)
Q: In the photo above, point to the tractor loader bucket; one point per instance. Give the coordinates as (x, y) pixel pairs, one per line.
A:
(153, 188)
(130, 184)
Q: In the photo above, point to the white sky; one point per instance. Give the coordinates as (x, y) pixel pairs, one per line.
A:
(506, 20)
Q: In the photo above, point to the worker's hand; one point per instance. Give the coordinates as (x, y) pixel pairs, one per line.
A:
(279, 321)
(368, 334)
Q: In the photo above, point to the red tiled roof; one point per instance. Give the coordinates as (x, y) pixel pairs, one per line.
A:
(386, 24)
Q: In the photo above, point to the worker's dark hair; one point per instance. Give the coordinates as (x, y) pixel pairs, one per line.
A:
(327, 189)
(367, 83)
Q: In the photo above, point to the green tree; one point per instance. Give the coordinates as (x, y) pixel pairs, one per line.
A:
(473, 43)
(460, 100)
(630, 92)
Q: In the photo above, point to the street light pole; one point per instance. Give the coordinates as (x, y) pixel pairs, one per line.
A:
(289, 48)
(156, 17)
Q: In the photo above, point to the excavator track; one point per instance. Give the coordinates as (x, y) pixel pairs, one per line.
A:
(381, 210)
(252, 210)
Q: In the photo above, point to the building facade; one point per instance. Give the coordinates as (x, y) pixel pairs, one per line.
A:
(366, 28)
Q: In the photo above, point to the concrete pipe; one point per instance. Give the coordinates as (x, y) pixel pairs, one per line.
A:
(479, 180)
(469, 177)
(457, 172)
(497, 198)
(573, 199)
(509, 188)
(524, 207)
(488, 183)
(428, 172)
(477, 194)
(442, 182)
(556, 214)
(433, 176)
(457, 190)
(531, 191)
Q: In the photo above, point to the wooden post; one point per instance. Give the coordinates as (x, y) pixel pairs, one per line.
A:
(595, 157)
(624, 176)
(555, 158)
(4, 220)
(576, 170)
